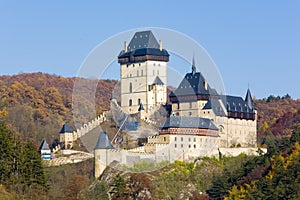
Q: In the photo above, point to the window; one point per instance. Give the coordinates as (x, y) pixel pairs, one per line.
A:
(194, 146)
(189, 146)
(130, 87)
(175, 145)
(141, 72)
(190, 113)
(181, 139)
(175, 139)
(178, 105)
(181, 145)
(194, 139)
(139, 101)
(137, 73)
(165, 139)
(130, 102)
(191, 105)
(189, 139)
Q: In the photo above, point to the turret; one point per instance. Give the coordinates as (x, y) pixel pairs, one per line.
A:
(100, 152)
(66, 136)
(249, 100)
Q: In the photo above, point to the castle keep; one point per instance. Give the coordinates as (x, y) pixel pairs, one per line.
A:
(200, 121)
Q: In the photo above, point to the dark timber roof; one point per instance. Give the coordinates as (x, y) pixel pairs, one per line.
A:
(143, 39)
(66, 128)
(158, 81)
(143, 43)
(44, 146)
(249, 100)
(189, 122)
(230, 103)
(103, 142)
(193, 84)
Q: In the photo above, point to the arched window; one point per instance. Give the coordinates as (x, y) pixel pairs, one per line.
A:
(130, 87)
(130, 102)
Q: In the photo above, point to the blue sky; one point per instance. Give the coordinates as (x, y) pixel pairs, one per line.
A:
(254, 43)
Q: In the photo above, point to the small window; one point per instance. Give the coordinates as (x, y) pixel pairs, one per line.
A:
(194, 139)
(189, 146)
(137, 73)
(139, 101)
(181, 145)
(181, 139)
(175, 139)
(130, 102)
(178, 105)
(141, 72)
(165, 139)
(194, 146)
(139, 64)
(190, 113)
(175, 145)
(189, 139)
(130, 87)
(191, 105)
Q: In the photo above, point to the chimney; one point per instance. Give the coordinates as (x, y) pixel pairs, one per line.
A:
(160, 45)
(125, 46)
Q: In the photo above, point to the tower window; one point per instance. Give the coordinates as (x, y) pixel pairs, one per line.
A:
(130, 87)
(130, 102)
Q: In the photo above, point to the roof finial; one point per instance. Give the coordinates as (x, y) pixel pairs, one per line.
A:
(193, 65)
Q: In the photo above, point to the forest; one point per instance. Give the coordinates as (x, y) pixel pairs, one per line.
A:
(33, 106)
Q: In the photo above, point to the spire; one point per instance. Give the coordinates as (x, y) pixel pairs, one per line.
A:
(193, 66)
(103, 141)
(249, 100)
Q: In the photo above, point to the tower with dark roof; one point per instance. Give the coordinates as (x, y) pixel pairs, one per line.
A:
(143, 66)
(102, 158)
(66, 136)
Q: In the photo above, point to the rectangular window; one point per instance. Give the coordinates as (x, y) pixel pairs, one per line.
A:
(175, 139)
(194, 139)
(175, 145)
(181, 139)
(165, 139)
(181, 145)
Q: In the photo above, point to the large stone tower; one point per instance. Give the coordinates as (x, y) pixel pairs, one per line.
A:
(143, 73)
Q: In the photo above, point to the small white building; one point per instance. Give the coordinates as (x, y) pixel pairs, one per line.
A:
(45, 151)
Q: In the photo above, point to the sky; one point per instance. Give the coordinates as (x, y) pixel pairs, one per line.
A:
(254, 44)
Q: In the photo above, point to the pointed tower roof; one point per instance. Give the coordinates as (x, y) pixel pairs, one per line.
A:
(66, 128)
(141, 107)
(249, 100)
(158, 81)
(103, 141)
(44, 145)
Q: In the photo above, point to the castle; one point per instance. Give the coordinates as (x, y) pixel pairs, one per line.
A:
(201, 122)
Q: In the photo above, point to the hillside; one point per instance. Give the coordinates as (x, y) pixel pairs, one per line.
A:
(36, 105)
